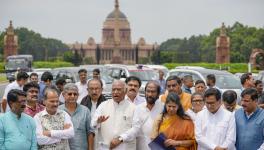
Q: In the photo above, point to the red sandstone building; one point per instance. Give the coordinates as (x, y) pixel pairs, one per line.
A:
(116, 46)
(10, 42)
(223, 47)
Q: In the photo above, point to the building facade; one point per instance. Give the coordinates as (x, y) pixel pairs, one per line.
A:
(10, 41)
(116, 46)
(223, 47)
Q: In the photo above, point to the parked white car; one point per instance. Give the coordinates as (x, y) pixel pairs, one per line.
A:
(121, 72)
(224, 80)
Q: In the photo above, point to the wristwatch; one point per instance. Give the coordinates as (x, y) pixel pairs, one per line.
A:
(120, 139)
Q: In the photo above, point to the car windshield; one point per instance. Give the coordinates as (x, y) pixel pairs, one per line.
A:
(15, 63)
(144, 75)
(226, 81)
(107, 78)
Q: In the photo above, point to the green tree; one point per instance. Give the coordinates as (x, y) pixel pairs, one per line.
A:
(33, 43)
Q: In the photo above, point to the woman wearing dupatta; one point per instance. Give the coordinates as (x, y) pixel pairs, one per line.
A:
(177, 127)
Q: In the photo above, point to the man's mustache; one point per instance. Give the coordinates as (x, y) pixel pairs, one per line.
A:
(95, 94)
(133, 90)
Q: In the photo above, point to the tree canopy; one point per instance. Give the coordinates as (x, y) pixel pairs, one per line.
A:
(33, 43)
(202, 48)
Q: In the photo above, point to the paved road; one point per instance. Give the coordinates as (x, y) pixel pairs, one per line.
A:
(2, 89)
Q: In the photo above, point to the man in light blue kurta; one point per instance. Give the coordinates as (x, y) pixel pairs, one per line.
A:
(17, 130)
(80, 115)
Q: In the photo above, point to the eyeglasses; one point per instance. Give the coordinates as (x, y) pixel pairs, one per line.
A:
(70, 94)
(200, 101)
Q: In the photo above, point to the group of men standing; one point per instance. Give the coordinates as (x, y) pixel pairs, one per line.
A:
(86, 120)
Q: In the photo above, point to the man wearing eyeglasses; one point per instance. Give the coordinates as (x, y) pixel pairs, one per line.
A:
(95, 96)
(174, 84)
(54, 126)
(80, 116)
(32, 106)
(215, 127)
(197, 100)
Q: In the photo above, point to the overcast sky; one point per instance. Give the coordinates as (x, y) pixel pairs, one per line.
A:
(155, 20)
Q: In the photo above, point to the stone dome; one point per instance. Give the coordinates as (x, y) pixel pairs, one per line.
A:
(121, 15)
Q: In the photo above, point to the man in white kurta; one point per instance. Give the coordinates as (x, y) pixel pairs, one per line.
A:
(114, 117)
(215, 127)
(82, 85)
(146, 113)
(133, 86)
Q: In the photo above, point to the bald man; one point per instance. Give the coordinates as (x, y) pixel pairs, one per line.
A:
(113, 118)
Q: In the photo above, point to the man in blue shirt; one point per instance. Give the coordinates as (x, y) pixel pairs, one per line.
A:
(249, 122)
(17, 130)
(80, 115)
(46, 81)
(162, 82)
(187, 84)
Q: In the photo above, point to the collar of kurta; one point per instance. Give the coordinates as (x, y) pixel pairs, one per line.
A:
(76, 109)
(44, 113)
(120, 103)
(126, 97)
(220, 109)
(157, 102)
(252, 114)
(15, 115)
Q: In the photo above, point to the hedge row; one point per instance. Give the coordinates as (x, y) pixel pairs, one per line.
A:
(232, 67)
(56, 64)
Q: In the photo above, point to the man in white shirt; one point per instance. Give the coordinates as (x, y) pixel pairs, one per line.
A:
(229, 98)
(133, 85)
(18, 84)
(247, 81)
(97, 75)
(144, 116)
(54, 126)
(114, 117)
(211, 82)
(197, 100)
(82, 85)
(215, 127)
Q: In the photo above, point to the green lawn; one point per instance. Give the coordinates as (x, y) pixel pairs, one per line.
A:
(3, 77)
